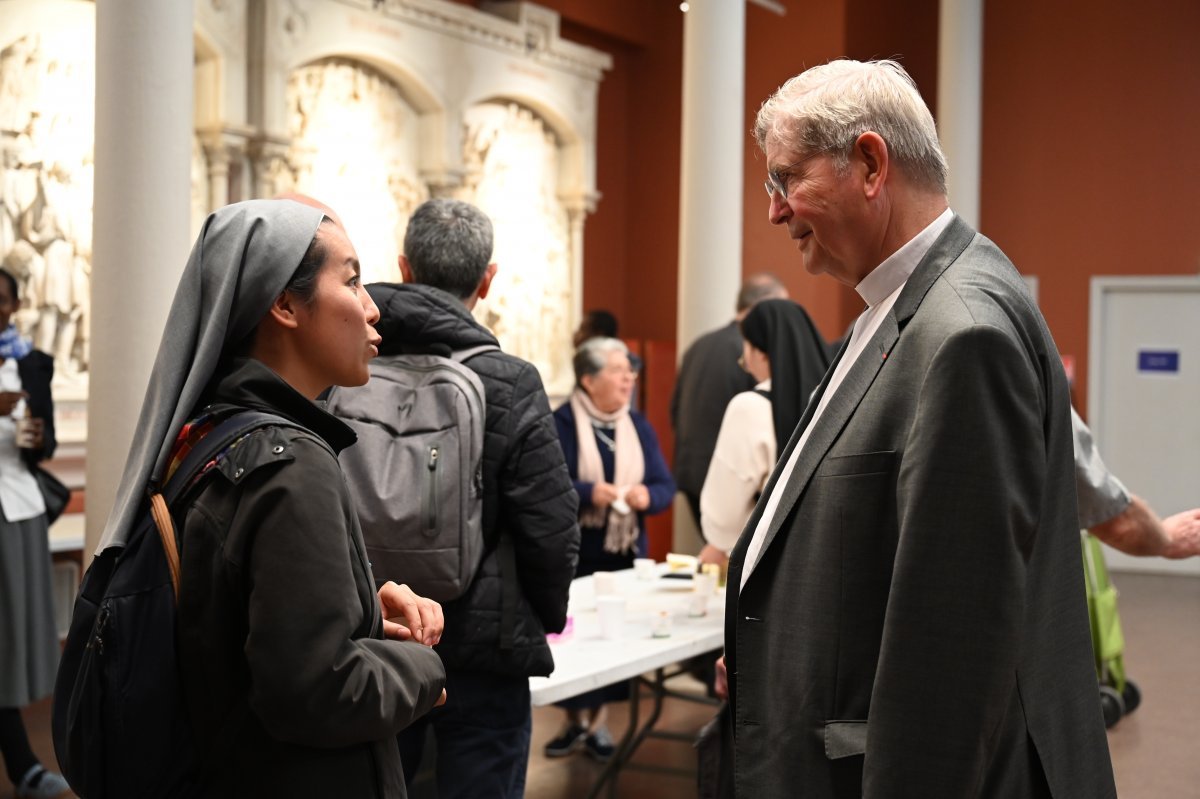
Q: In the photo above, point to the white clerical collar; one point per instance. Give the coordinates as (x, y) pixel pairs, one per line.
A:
(899, 266)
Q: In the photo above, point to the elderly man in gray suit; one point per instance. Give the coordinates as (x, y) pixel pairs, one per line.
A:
(906, 612)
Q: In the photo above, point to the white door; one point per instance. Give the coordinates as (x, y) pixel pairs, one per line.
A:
(1144, 395)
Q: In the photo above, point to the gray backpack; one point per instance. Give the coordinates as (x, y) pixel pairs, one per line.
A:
(416, 473)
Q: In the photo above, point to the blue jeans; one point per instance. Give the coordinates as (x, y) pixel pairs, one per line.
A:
(482, 735)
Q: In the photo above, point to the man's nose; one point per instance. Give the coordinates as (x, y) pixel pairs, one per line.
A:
(778, 210)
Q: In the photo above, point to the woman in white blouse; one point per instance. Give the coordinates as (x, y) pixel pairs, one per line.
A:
(786, 355)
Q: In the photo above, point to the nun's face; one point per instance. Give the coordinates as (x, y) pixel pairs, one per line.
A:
(338, 326)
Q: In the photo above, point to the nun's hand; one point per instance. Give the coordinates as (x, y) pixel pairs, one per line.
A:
(407, 616)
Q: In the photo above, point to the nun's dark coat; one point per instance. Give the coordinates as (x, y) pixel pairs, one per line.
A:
(284, 668)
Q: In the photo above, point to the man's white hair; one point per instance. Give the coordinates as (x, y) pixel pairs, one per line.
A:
(827, 107)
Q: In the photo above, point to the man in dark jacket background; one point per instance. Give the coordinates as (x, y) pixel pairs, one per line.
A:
(529, 513)
(709, 376)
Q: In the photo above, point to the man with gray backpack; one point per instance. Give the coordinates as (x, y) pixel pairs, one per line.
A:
(464, 495)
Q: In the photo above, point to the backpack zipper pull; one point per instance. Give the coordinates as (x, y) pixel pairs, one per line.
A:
(431, 523)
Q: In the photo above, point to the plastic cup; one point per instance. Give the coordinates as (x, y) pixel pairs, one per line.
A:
(644, 568)
(605, 584)
(611, 612)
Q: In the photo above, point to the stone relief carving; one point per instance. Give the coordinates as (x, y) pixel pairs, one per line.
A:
(46, 122)
(295, 21)
(512, 163)
(355, 148)
(352, 141)
(199, 197)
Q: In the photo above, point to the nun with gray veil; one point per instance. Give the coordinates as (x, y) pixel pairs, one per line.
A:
(287, 652)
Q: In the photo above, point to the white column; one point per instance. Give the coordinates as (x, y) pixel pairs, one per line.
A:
(959, 101)
(141, 221)
(713, 141)
(710, 185)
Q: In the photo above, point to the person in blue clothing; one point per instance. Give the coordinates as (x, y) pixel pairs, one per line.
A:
(621, 476)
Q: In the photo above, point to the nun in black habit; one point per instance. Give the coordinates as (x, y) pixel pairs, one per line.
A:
(287, 658)
(788, 358)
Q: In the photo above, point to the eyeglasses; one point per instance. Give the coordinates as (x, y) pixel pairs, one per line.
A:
(776, 182)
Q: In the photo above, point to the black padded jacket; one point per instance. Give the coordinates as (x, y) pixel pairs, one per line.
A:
(527, 493)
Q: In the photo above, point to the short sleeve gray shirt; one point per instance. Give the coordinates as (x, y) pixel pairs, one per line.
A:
(1101, 495)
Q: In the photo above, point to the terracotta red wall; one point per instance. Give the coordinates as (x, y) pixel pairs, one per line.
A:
(1089, 111)
(776, 49)
(631, 241)
(606, 248)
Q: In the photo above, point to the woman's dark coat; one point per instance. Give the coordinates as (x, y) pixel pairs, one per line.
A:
(289, 685)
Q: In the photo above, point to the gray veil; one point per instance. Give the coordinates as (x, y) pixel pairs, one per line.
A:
(242, 260)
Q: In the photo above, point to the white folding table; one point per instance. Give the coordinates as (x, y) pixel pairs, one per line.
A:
(583, 660)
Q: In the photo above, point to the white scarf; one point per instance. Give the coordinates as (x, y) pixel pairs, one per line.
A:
(629, 467)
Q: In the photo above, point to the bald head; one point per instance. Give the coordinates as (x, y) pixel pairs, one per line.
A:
(312, 202)
(756, 288)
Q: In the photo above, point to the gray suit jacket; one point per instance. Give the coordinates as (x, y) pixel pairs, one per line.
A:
(916, 624)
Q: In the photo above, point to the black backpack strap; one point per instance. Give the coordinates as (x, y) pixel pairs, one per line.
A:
(762, 392)
(227, 431)
(204, 452)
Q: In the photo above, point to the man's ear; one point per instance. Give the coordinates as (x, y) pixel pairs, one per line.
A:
(283, 310)
(406, 272)
(872, 151)
(485, 283)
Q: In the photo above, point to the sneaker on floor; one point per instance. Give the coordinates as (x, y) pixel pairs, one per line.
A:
(570, 740)
(39, 783)
(599, 745)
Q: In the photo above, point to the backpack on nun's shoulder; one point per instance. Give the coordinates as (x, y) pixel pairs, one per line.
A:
(120, 722)
(416, 473)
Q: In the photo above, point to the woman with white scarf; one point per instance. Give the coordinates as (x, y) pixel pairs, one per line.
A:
(621, 476)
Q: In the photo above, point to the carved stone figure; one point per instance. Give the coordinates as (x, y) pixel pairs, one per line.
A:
(512, 163)
(46, 100)
(355, 148)
(199, 197)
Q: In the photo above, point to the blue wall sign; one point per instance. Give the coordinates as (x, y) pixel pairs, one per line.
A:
(1163, 361)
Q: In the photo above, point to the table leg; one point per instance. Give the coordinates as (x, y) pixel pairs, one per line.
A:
(623, 751)
(635, 734)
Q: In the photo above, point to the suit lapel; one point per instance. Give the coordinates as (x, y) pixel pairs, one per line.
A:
(948, 247)
(839, 410)
(738, 554)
